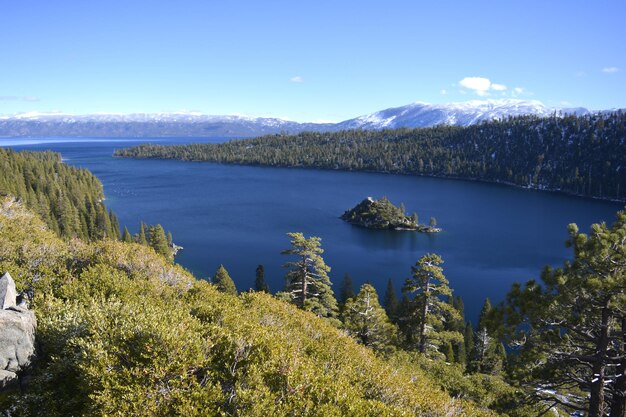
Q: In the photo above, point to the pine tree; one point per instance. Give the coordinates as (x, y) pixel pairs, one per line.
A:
(158, 241)
(448, 352)
(483, 318)
(482, 339)
(391, 301)
(501, 357)
(457, 325)
(459, 305)
(115, 225)
(468, 337)
(430, 306)
(366, 320)
(259, 282)
(141, 237)
(572, 327)
(103, 223)
(346, 290)
(461, 353)
(224, 282)
(126, 237)
(488, 357)
(404, 320)
(307, 283)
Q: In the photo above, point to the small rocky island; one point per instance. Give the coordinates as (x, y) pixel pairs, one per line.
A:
(383, 215)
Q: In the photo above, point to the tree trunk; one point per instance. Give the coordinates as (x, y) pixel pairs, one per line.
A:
(304, 283)
(618, 403)
(596, 401)
(424, 314)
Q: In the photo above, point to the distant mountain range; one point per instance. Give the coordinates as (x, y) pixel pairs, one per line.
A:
(185, 124)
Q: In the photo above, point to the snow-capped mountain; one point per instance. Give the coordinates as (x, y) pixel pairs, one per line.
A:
(181, 124)
(189, 124)
(460, 114)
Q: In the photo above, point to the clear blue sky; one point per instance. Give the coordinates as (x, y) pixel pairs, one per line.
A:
(306, 60)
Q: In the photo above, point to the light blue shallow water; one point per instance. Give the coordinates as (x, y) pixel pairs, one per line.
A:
(238, 216)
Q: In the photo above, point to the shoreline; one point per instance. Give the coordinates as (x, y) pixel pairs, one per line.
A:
(404, 174)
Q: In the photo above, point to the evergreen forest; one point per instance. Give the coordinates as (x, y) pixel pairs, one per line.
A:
(581, 155)
(123, 330)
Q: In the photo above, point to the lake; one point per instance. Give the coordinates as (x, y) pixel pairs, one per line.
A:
(239, 216)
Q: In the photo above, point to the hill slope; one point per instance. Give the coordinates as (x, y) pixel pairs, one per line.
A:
(123, 332)
(67, 198)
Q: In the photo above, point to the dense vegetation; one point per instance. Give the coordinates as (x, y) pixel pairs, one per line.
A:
(583, 155)
(382, 214)
(68, 199)
(124, 332)
(571, 328)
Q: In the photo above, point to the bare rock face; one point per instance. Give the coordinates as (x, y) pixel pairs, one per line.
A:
(17, 333)
(8, 295)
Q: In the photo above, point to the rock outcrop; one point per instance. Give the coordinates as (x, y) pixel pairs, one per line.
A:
(17, 333)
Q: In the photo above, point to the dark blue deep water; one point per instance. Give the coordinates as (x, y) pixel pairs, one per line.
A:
(238, 216)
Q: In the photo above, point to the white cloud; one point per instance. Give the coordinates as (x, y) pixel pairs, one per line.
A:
(610, 70)
(581, 74)
(444, 92)
(480, 85)
(296, 79)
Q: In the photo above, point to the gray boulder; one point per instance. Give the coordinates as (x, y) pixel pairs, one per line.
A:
(8, 294)
(7, 378)
(17, 333)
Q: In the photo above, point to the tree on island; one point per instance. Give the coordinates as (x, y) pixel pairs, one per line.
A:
(259, 281)
(430, 308)
(224, 282)
(383, 215)
(307, 283)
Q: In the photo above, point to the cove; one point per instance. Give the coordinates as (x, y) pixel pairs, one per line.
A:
(238, 216)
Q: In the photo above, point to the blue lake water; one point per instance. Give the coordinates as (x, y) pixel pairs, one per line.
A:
(239, 216)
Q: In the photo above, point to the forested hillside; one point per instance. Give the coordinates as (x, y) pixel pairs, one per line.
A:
(583, 155)
(68, 199)
(123, 332)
